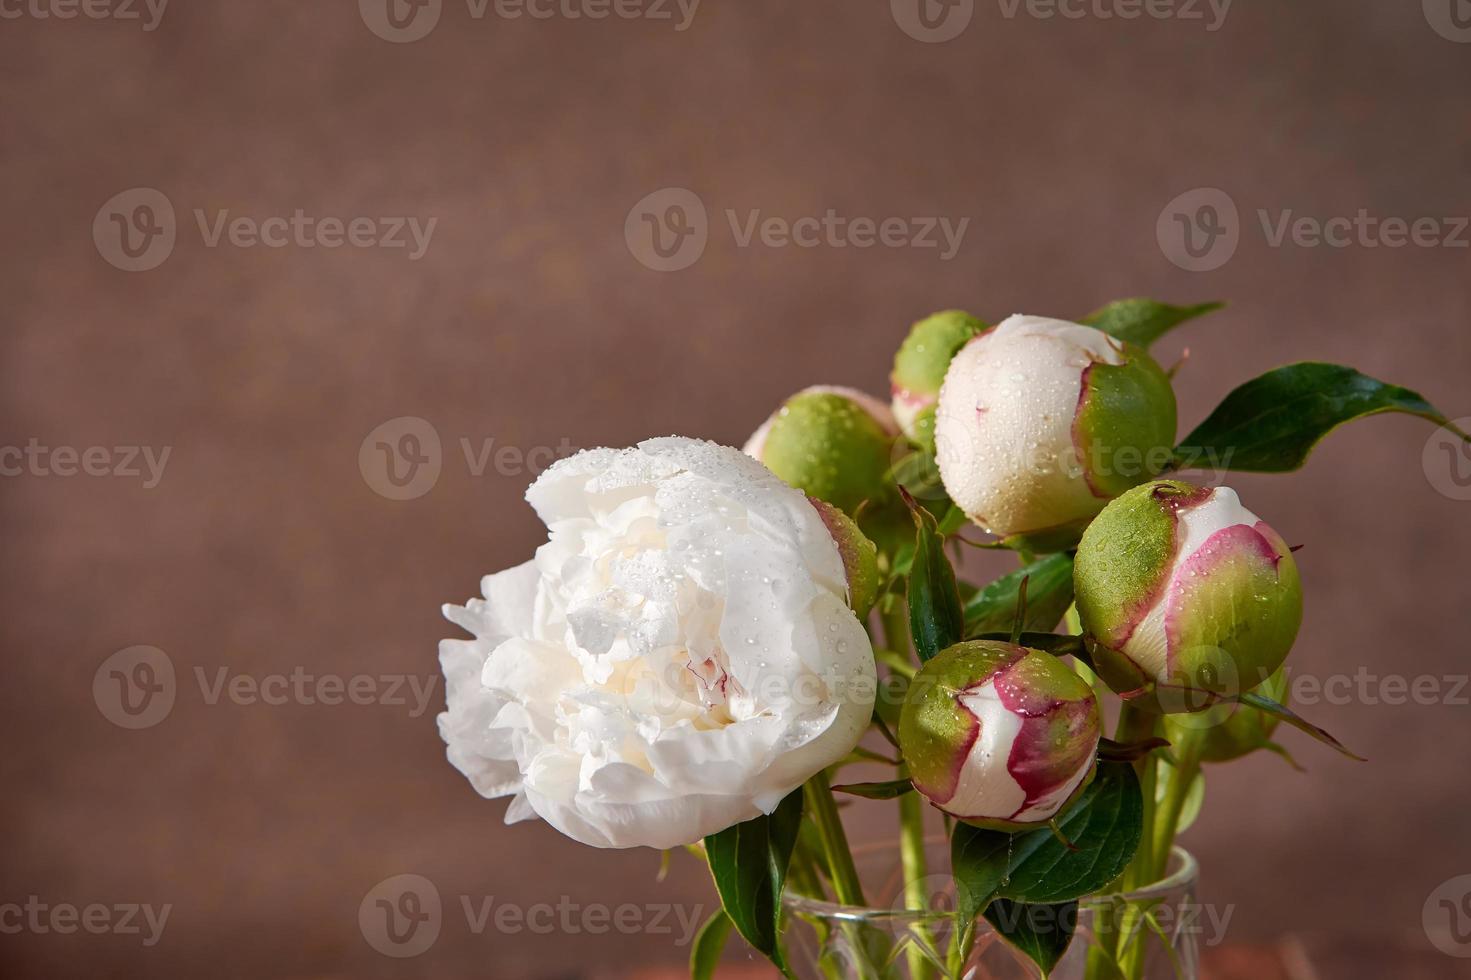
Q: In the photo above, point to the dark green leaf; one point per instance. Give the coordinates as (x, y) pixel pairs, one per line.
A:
(1104, 826)
(1143, 321)
(1057, 644)
(1042, 932)
(889, 790)
(1271, 423)
(936, 619)
(1049, 593)
(709, 944)
(749, 864)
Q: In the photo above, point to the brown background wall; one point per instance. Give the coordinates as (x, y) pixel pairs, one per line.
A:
(264, 549)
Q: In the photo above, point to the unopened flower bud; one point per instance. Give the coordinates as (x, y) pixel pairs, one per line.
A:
(999, 735)
(1041, 422)
(833, 443)
(1185, 594)
(860, 556)
(919, 370)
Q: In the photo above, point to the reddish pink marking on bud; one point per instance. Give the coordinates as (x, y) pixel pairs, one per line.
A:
(1173, 502)
(973, 731)
(1239, 541)
(908, 396)
(1043, 759)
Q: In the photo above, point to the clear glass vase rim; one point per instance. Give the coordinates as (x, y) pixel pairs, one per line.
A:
(1183, 876)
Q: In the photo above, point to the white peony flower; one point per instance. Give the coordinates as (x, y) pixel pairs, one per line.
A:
(676, 659)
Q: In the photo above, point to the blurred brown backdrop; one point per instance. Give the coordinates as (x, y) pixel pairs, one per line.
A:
(264, 549)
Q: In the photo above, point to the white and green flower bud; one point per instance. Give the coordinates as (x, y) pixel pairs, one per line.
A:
(832, 443)
(860, 556)
(1184, 593)
(1041, 422)
(999, 735)
(919, 370)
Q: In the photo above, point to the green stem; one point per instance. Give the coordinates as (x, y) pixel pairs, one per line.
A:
(824, 811)
(916, 868)
(1181, 777)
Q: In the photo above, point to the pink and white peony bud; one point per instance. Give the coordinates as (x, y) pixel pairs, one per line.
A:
(999, 735)
(1185, 593)
(1041, 422)
(919, 370)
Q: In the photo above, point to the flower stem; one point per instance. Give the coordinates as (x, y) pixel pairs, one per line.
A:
(840, 865)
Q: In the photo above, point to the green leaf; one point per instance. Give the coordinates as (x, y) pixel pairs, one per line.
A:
(936, 619)
(1057, 644)
(1049, 593)
(1143, 321)
(709, 944)
(1271, 423)
(1104, 827)
(889, 790)
(1041, 932)
(749, 865)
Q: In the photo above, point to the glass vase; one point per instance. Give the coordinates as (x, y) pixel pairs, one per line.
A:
(1150, 933)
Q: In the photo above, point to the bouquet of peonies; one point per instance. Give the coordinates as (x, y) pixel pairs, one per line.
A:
(689, 661)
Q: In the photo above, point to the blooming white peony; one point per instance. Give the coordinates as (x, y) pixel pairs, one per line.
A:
(676, 659)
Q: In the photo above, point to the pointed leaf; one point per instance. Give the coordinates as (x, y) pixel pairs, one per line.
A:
(1041, 932)
(749, 865)
(1049, 593)
(709, 944)
(1104, 826)
(1271, 423)
(1143, 321)
(1263, 703)
(889, 790)
(936, 619)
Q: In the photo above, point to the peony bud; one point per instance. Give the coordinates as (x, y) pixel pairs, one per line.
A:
(1181, 590)
(919, 370)
(860, 556)
(833, 443)
(999, 735)
(1040, 422)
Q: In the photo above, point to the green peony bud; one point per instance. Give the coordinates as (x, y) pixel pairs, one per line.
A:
(919, 370)
(860, 556)
(1229, 731)
(999, 735)
(833, 443)
(1181, 590)
(1041, 422)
